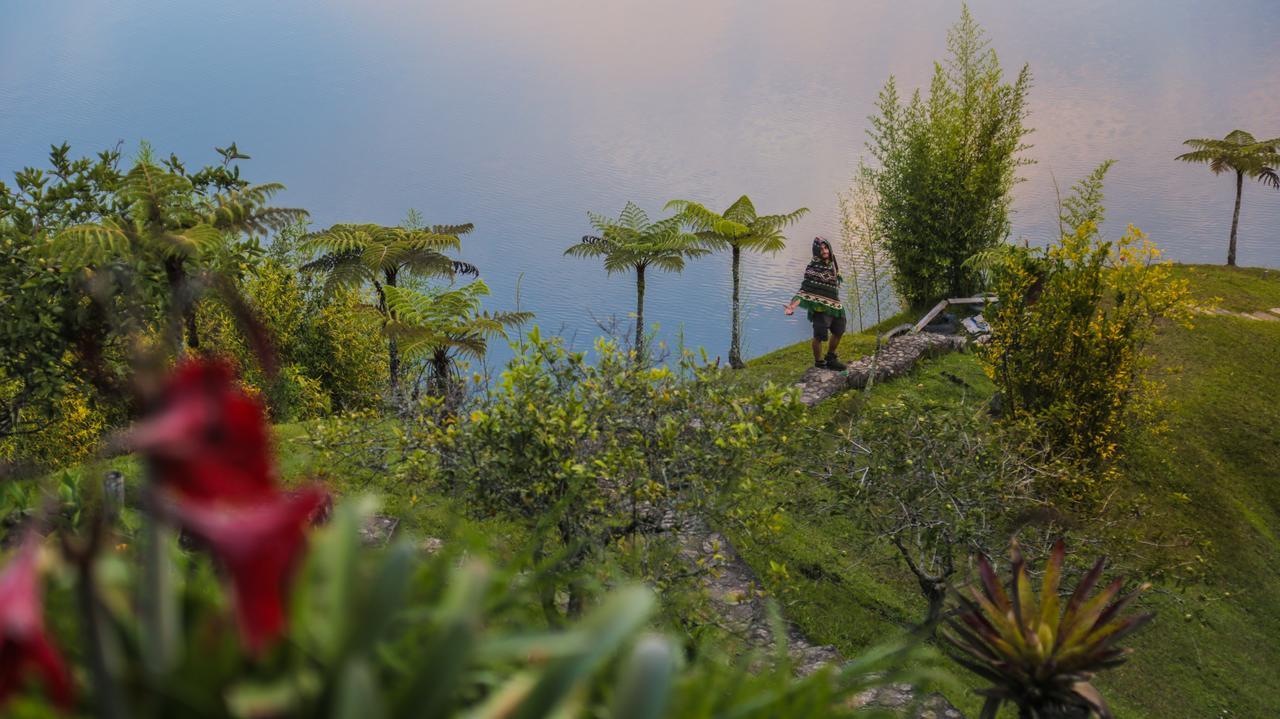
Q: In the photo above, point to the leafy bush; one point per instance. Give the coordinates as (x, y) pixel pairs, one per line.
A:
(947, 166)
(616, 455)
(1073, 318)
(326, 343)
(938, 483)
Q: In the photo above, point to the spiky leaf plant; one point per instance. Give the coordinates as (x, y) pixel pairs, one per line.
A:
(1037, 655)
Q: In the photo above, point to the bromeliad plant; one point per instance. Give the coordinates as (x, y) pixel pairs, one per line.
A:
(1039, 656)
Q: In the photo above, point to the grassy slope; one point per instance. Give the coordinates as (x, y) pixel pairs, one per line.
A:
(1216, 473)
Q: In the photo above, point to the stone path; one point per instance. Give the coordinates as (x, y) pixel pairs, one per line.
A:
(896, 358)
(737, 597)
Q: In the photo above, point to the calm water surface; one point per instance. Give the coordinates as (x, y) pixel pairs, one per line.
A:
(521, 116)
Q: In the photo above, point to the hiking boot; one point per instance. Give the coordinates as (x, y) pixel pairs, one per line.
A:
(833, 363)
(820, 364)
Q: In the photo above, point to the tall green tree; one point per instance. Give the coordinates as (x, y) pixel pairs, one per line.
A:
(386, 257)
(1240, 153)
(632, 242)
(947, 166)
(738, 228)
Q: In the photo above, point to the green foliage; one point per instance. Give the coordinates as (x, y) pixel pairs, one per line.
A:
(439, 324)
(633, 242)
(394, 634)
(947, 166)
(95, 264)
(936, 482)
(1241, 153)
(614, 456)
(385, 258)
(737, 228)
(326, 343)
(1070, 327)
(46, 316)
(1039, 656)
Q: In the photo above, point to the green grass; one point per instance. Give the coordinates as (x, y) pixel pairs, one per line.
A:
(1213, 475)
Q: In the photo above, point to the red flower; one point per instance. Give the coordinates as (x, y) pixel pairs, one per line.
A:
(24, 646)
(209, 440)
(259, 546)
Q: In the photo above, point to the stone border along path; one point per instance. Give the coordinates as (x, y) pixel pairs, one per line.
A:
(1271, 315)
(897, 357)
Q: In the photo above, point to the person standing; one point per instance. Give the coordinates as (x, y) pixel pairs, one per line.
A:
(820, 295)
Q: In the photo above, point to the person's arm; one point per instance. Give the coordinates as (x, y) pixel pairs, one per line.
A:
(790, 307)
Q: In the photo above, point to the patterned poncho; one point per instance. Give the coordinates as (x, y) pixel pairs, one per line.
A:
(820, 290)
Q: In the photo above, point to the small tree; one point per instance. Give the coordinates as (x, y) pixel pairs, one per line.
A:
(947, 166)
(367, 254)
(863, 242)
(738, 228)
(1240, 153)
(632, 242)
(938, 484)
(172, 221)
(1071, 324)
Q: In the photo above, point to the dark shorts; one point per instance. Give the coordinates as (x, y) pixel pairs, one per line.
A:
(822, 322)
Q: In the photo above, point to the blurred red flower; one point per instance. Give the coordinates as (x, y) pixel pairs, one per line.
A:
(208, 444)
(209, 439)
(24, 645)
(259, 546)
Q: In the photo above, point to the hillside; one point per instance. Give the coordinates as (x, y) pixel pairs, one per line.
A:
(1202, 497)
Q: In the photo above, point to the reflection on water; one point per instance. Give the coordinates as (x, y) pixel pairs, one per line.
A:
(520, 117)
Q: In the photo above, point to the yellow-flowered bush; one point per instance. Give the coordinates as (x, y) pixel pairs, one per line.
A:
(328, 346)
(1068, 333)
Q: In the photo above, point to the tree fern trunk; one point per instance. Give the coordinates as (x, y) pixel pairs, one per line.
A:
(640, 358)
(1235, 220)
(176, 275)
(735, 332)
(393, 349)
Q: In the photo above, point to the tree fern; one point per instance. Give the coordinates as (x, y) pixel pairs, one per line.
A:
(381, 256)
(632, 242)
(738, 228)
(165, 221)
(1241, 153)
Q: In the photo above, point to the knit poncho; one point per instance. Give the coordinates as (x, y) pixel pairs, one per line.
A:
(820, 290)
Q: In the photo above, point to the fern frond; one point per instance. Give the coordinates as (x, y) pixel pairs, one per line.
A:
(189, 241)
(93, 244)
(454, 230)
(741, 211)
(633, 217)
(339, 239)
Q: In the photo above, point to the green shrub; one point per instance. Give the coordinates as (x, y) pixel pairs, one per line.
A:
(328, 349)
(613, 455)
(947, 166)
(1072, 321)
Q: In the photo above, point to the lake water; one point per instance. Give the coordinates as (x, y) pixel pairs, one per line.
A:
(522, 116)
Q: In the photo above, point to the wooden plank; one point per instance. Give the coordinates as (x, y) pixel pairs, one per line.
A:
(937, 309)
